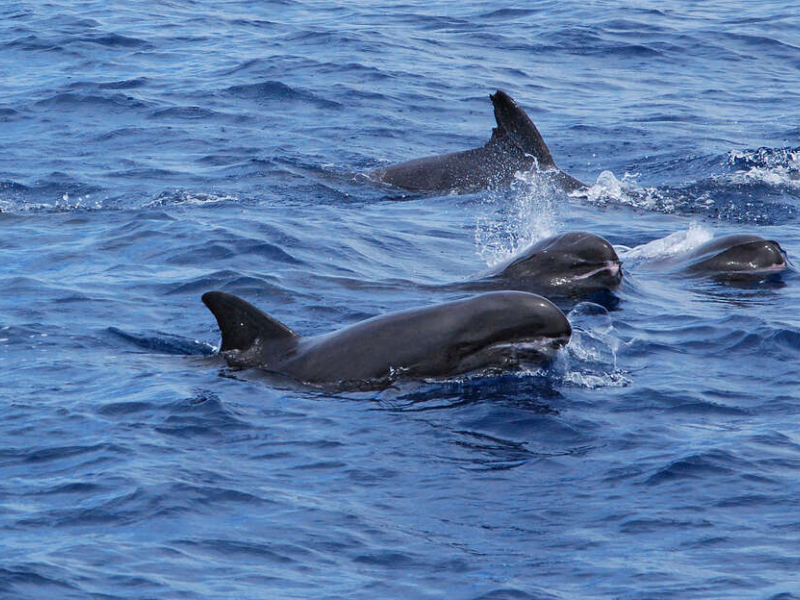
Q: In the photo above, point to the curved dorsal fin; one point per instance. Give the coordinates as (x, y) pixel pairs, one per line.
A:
(518, 126)
(241, 323)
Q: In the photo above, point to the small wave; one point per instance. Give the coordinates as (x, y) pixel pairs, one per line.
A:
(206, 252)
(506, 14)
(242, 551)
(509, 593)
(8, 114)
(203, 414)
(165, 343)
(703, 407)
(183, 112)
(184, 198)
(632, 25)
(122, 132)
(12, 186)
(531, 385)
(257, 23)
(276, 90)
(253, 66)
(763, 43)
(122, 409)
(66, 22)
(630, 50)
(33, 43)
(143, 173)
(697, 466)
(57, 453)
(73, 100)
(232, 282)
(125, 84)
(594, 41)
(114, 40)
(229, 157)
(30, 577)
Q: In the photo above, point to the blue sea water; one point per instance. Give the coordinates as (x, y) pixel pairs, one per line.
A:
(152, 151)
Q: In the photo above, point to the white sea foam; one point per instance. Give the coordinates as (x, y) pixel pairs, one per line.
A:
(593, 381)
(776, 167)
(674, 244)
(775, 176)
(610, 190)
(61, 204)
(182, 198)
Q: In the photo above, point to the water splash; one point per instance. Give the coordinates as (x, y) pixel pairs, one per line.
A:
(184, 198)
(674, 244)
(518, 217)
(64, 203)
(590, 358)
(610, 190)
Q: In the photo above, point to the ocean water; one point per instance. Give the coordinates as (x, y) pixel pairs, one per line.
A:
(153, 151)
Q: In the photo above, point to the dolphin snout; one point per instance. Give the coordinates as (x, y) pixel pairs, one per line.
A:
(777, 254)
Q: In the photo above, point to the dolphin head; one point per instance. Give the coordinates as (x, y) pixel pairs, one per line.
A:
(739, 256)
(576, 261)
(502, 329)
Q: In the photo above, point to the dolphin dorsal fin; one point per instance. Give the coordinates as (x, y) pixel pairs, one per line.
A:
(518, 126)
(241, 323)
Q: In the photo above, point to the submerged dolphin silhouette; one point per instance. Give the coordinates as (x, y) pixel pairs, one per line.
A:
(516, 145)
(494, 330)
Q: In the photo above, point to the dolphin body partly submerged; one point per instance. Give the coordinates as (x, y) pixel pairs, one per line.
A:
(515, 145)
(736, 256)
(567, 265)
(497, 330)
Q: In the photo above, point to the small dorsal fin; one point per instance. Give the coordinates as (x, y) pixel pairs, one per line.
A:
(519, 127)
(241, 323)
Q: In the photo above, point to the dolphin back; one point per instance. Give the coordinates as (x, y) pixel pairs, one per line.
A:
(243, 325)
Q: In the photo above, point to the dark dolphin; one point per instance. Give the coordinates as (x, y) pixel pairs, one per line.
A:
(515, 145)
(569, 264)
(564, 268)
(497, 330)
(737, 256)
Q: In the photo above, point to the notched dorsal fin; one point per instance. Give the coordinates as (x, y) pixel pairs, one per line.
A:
(241, 323)
(516, 123)
(498, 135)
